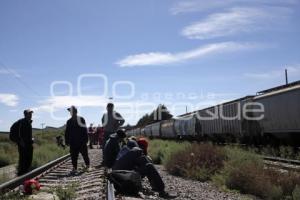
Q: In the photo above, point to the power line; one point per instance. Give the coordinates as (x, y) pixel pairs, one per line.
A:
(18, 78)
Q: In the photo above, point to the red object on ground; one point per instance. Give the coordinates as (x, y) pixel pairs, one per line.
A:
(31, 185)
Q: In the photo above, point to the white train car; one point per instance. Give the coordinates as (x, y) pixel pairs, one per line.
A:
(167, 129)
(148, 131)
(185, 127)
(281, 112)
(155, 129)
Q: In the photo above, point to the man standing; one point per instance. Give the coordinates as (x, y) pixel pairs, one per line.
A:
(111, 122)
(21, 133)
(76, 137)
(91, 133)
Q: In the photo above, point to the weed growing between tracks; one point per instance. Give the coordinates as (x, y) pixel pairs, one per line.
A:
(228, 167)
(66, 193)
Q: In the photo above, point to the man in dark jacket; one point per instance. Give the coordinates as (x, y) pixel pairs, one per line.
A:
(25, 142)
(76, 137)
(135, 158)
(112, 148)
(111, 121)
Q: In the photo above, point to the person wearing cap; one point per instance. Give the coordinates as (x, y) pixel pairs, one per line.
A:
(112, 148)
(135, 158)
(76, 137)
(111, 121)
(24, 141)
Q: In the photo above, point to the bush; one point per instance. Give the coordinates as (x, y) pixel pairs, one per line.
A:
(245, 171)
(161, 150)
(296, 193)
(198, 161)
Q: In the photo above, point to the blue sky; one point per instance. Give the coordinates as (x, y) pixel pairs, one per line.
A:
(178, 52)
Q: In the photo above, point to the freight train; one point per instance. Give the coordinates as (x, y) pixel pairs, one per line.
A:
(270, 116)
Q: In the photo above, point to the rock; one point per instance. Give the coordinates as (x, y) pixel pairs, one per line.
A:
(44, 196)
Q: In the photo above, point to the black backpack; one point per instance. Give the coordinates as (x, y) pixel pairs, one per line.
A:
(126, 182)
(14, 132)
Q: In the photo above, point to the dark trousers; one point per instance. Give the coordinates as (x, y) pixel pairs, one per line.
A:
(146, 168)
(25, 159)
(105, 138)
(83, 150)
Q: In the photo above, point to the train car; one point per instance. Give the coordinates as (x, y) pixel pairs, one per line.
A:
(155, 129)
(148, 131)
(142, 131)
(167, 129)
(185, 127)
(137, 131)
(281, 119)
(130, 132)
(223, 121)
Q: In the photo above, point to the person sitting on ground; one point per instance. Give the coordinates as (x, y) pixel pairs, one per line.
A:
(136, 159)
(112, 148)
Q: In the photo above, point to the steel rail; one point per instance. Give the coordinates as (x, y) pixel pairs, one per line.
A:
(110, 190)
(12, 184)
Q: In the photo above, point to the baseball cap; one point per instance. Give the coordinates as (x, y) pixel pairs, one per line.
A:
(27, 111)
(72, 108)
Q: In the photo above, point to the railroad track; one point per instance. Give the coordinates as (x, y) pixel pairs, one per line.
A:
(90, 184)
(282, 163)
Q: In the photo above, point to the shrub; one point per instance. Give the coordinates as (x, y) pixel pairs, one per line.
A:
(198, 161)
(161, 150)
(296, 193)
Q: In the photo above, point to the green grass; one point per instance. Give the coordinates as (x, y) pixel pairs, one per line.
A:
(161, 150)
(45, 150)
(8, 151)
(230, 168)
(66, 193)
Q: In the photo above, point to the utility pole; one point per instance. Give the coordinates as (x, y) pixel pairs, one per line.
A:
(286, 77)
(186, 110)
(42, 124)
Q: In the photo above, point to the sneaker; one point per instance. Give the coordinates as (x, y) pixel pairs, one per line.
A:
(73, 172)
(166, 195)
(87, 169)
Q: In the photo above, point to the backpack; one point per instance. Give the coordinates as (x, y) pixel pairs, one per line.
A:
(14, 132)
(126, 182)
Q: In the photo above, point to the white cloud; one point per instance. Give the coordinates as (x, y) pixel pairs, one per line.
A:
(188, 6)
(236, 20)
(161, 58)
(9, 71)
(63, 102)
(9, 99)
(275, 74)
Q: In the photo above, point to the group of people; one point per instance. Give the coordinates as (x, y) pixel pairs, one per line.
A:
(117, 153)
(95, 135)
(76, 136)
